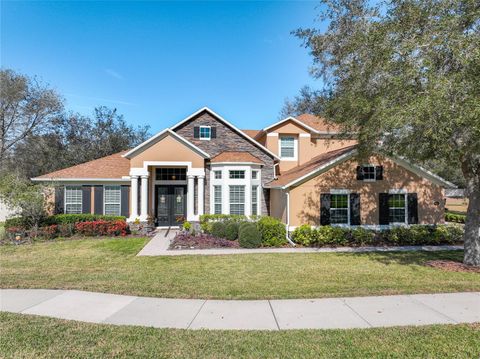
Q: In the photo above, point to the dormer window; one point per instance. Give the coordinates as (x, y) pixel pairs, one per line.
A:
(288, 148)
(205, 132)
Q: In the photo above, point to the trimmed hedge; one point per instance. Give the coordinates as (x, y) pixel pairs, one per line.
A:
(206, 220)
(231, 231)
(60, 219)
(455, 217)
(273, 231)
(396, 236)
(249, 236)
(218, 229)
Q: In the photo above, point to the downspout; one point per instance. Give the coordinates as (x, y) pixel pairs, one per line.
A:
(288, 220)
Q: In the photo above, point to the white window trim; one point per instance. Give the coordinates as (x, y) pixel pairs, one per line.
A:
(200, 133)
(214, 198)
(65, 199)
(225, 182)
(105, 202)
(295, 148)
(405, 194)
(374, 172)
(345, 192)
(258, 199)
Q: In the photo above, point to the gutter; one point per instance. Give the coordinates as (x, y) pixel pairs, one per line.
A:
(288, 220)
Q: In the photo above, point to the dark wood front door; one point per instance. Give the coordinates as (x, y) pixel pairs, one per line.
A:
(171, 205)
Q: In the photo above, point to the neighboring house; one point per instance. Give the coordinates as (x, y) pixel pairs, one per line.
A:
(297, 170)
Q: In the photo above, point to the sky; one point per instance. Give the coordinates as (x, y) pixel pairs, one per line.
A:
(158, 62)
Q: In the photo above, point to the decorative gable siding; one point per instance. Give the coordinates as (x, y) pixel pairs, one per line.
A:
(226, 140)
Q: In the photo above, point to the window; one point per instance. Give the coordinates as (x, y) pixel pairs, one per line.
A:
(112, 198)
(287, 147)
(396, 208)
(217, 199)
(171, 174)
(254, 200)
(73, 199)
(205, 132)
(368, 173)
(339, 209)
(218, 174)
(237, 174)
(237, 199)
(254, 174)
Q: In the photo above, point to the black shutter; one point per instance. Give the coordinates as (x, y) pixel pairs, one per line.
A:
(325, 209)
(213, 132)
(196, 132)
(412, 208)
(383, 212)
(379, 173)
(359, 173)
(59, 200)
(98, 197)
(354, 209)
(125, 201)
(86, 199)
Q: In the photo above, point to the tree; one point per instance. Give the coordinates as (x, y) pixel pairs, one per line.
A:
(308, 101)
(404, 75)
(25, 106)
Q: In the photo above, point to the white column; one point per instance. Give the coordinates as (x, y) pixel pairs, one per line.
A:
(133, 198)
(190, 197)
(201, 196)
(144, 199)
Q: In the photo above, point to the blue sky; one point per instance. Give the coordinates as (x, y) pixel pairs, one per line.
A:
(157, 62)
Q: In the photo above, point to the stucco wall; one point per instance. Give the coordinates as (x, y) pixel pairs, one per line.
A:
(305, 199)
(168, 149)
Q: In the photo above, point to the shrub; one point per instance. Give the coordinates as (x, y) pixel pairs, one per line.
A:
(83, 217)
(207, 220)
(249, 236)
(305, 235)
(455, 217)
(362, 236)
(272, 230)
(102, 228)
(218, 229)
(187, 226)
(16, 222)
(231, 230)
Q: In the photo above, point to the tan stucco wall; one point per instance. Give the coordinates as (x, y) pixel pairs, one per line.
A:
(168, 149)
(305, 199)
(278, 204)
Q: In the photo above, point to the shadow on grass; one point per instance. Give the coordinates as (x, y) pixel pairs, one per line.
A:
(411, 258)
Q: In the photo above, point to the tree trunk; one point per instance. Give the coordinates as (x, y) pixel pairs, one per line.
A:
(471, 236)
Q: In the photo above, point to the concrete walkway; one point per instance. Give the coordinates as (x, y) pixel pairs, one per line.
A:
(158, 246)
(355, 312)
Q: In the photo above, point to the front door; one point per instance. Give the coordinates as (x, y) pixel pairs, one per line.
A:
(171, 206)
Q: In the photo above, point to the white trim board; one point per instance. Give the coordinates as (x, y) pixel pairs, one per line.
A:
(213, 113)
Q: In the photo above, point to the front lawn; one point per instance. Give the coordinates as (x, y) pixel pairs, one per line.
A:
(111, 265)
(38, 337)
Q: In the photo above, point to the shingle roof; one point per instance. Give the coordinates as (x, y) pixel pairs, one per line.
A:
(113, 166)
(318, 123)
(230, 156)
(308, 167)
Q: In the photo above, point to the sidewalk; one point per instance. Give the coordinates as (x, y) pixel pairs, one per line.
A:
(158, 246)
(329, 313)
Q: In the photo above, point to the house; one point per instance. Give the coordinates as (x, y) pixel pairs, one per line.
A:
(297, 169)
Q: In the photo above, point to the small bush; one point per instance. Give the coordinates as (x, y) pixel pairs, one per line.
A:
(218, 229)
(249, 236)
(207, 220)
(187, 226)
(75, 218)
(305, 235)
(455, 217)
(16, 222)
(231, 231)
(362, 236)
(102, 228)
(273, 231)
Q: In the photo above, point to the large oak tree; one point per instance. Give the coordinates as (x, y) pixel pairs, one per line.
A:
(405, 76)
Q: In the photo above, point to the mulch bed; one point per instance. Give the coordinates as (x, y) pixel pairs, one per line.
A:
(452, 266)
(200, 241)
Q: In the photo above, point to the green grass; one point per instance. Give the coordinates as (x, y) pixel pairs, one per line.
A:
(2, 230)
(110, 265)
(23, 336)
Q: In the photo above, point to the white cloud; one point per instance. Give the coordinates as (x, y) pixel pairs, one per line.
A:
(114, 74)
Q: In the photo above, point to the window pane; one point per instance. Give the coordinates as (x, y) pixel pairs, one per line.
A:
(204, 132)
(237, 199)
(254, 174)
(368, 172)
(254, 200)
(73, 199)
(237, 174)
(217, 198)
(112, 198)
(218, 174)
(112, 209)
(339, 209)
(396, 211)
(287, 146)
(171, 174)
